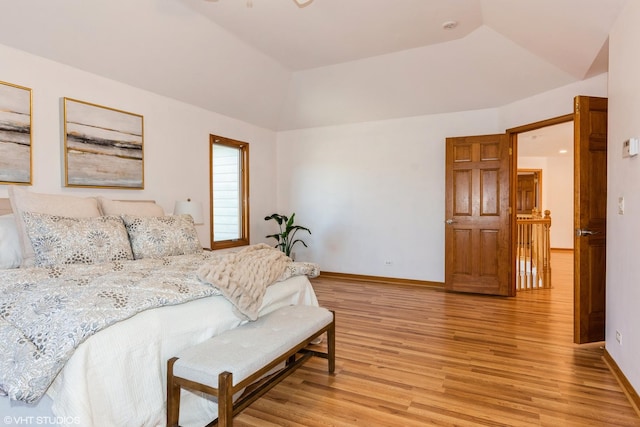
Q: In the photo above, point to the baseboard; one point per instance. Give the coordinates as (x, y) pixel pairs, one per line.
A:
(380, 279)
(628, 389)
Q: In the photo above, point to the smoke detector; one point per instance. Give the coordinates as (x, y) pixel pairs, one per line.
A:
(449, 25)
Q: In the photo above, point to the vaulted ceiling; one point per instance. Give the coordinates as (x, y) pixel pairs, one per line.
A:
(336, 61)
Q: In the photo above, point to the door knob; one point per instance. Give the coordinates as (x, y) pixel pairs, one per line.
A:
(585, 232)
(450, 221)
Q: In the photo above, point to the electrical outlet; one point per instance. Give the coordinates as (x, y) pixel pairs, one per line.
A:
(388, 262)
(619, 337)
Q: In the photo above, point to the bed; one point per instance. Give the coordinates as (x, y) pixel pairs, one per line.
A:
(115, 375)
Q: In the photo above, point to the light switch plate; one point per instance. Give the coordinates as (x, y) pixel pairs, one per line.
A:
(620, 205)
(630, 147)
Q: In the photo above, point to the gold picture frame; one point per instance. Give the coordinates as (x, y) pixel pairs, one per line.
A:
(16, 123)
(103, 146)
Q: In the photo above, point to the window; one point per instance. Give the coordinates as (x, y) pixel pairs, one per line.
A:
(229, 160)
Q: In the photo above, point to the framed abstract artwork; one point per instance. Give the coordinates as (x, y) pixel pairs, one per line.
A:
(15, 134)
(103, 147)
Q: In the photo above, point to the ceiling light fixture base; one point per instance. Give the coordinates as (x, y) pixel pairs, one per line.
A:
(449, 25)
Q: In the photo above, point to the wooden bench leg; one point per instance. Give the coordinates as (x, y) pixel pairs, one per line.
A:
(291, 359)
(331, 344)
(225, 399)
(173, 396)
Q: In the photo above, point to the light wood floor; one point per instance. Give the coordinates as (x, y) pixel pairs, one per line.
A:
(415, 356)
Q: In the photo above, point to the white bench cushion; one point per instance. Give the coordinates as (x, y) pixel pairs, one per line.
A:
(246, 349)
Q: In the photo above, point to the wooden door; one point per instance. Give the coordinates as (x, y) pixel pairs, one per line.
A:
(590, 218)
(477, 233)
(524, 194)
(527, 192)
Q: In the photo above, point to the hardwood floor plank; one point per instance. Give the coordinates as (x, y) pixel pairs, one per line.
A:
(419, 356)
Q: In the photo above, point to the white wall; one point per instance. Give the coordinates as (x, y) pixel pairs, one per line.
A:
(374, 192)
(557, 195)
(559, 184)
(623, 231)
(553, 103)
(176, 138)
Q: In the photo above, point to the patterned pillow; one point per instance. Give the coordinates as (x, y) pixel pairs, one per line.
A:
(23, 200)
(158, 236)
(63, 240)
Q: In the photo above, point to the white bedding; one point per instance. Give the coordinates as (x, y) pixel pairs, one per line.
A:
(118, 376)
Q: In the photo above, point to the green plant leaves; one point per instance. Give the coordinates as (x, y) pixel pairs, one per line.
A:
(278, 218)
(285, 238)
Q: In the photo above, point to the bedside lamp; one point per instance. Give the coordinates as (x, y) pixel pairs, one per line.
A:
(189, 207)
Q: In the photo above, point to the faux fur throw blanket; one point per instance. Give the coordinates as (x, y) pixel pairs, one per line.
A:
(244, 276)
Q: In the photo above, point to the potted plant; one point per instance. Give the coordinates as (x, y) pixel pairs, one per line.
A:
(286, 238)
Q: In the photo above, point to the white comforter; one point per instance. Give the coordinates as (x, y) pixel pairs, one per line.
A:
(118, 376)
(127, 387)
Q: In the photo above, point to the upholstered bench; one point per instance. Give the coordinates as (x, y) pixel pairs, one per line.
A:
(230, 362)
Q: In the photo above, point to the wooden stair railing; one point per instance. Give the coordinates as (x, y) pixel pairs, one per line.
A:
(533, 252)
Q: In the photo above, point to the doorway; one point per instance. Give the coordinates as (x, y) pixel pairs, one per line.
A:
(547, 152)
(544, 148)
(588, 229)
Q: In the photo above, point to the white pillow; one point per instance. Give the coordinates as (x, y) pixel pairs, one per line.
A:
(119, 207)
(10, 251)
(23, 200)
